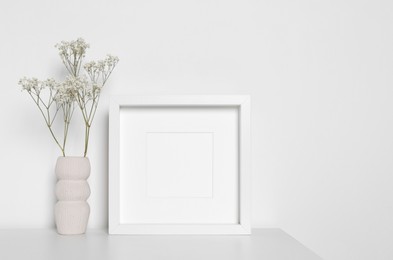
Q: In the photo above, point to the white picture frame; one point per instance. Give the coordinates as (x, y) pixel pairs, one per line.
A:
(118, 202)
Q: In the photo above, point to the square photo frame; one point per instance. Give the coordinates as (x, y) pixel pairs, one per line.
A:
(179, 165)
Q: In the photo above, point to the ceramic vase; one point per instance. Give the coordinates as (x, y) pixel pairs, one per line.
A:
(72, 191)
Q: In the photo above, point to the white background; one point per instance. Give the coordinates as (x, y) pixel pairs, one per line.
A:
(320, 74)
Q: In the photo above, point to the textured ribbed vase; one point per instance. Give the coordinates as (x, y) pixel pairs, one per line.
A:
(72, 190)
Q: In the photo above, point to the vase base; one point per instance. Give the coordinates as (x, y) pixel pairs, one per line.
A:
(71, 217)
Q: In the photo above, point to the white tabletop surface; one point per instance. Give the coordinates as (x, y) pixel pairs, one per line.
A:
(269, 244)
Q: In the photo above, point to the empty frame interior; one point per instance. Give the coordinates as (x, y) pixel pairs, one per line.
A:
(179, 165)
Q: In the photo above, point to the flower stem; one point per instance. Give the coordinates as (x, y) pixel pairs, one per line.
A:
(87, 133)
(48, 123)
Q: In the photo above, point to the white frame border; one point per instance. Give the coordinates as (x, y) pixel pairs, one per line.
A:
(240, 101)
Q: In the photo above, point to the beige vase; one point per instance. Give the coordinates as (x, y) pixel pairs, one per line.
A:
(72, 190)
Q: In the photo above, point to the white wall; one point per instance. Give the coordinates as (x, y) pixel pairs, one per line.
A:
(321, 78)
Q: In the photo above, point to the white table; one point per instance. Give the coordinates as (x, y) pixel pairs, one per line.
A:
(269, 244)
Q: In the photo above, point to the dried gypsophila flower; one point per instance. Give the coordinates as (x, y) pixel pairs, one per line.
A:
(36, 86)
(72, 54)
(30, 84)
(75, 88)
(64, 94)
(100, 70)
(76, 83)
(55, 93)
(68, 48)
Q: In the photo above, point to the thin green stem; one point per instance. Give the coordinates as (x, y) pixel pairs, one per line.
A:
(48, 124)
(87, 134)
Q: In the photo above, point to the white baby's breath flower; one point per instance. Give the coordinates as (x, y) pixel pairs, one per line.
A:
(35, 86)
(100, 70)
(67, 48)
(50, 84)
(72, 53)
(67, 91)
(90, 66)
(76, 89)
(63, 95)
(29, 84)
(93, 91)
(96, 89)
(111, 60)
(76, 83)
